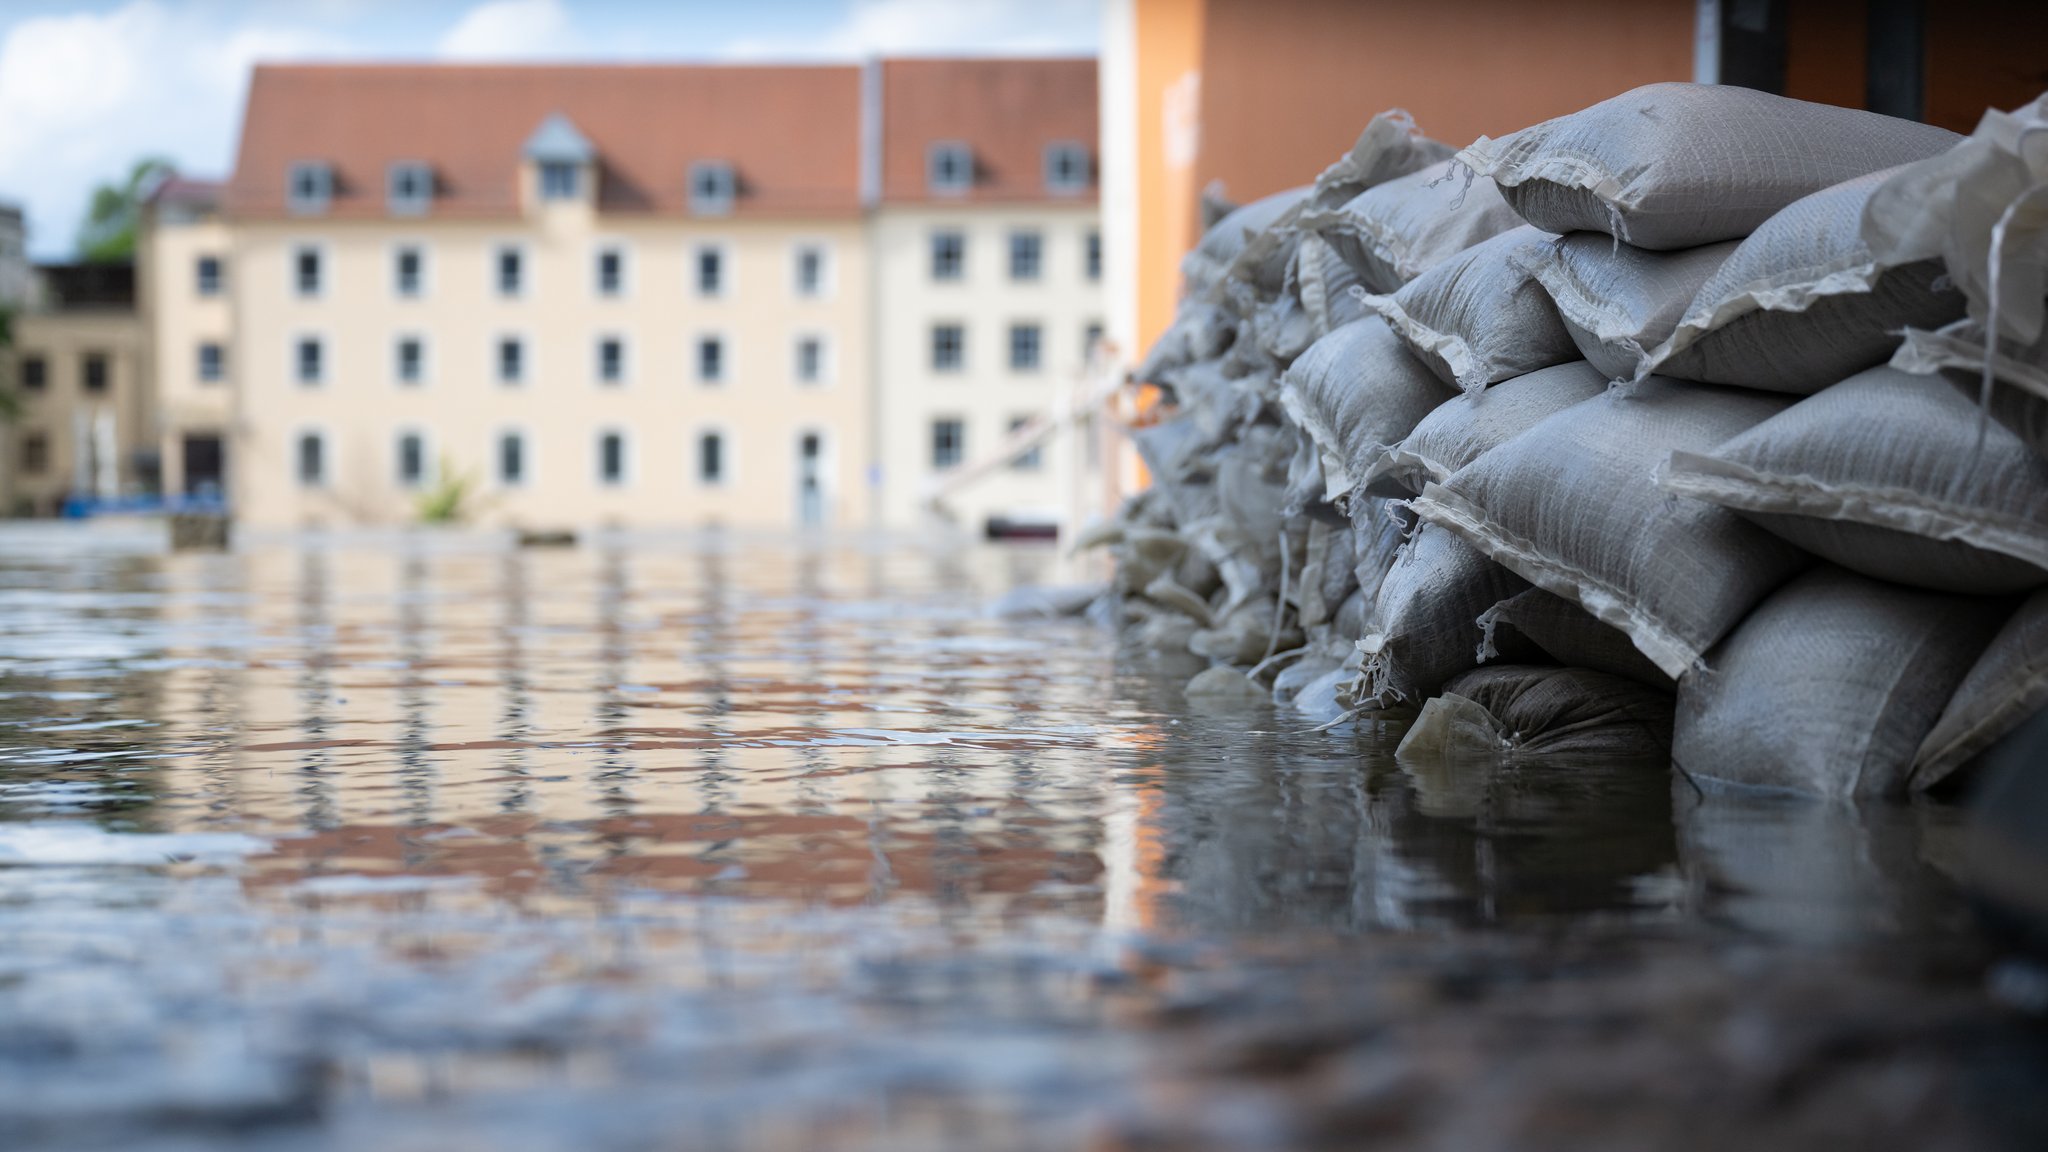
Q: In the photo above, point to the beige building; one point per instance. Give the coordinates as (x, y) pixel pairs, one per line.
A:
(183, 293)
(81, 360)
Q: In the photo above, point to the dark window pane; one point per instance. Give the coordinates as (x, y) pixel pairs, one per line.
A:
(511, 459)
(35, 373)
(710, 458)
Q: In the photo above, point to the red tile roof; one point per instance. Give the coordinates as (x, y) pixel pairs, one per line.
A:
(1007, 111)
(792, 134)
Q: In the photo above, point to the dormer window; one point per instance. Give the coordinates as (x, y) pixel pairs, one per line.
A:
(560, 155)
(409, 188)
(310, 188)
(558, 180)
(949, 168)
(1066, 168)
(712, 188)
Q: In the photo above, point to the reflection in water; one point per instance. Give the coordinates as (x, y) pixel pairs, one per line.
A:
(789, 830)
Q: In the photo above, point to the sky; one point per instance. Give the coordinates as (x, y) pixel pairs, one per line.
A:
(87, 88)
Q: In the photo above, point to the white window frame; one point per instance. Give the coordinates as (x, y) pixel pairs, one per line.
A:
(931, 348)
(828, 269)
(626, 462)
(692, 284)
(719, 201)
(938, 151)
(398, 379)
(315, 203)
(1012, 237)
(415, 205)
(293, 251)
(578, 178)
(728, 368)
(525, 379)
(291, 360)
(426, 269)
(828, 366)
(728, 458)
(426, 476)
(1076, 186)
(526, 458)
(493, 284)
(597, 379)
(294, 476)
(1010, 348)
(598, 248)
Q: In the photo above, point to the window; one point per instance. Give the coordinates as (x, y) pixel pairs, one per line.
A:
(1025, 340)
(409, 361)
(310, 186)
(1028, 461)
(407, 265)
(949, 167)
(611, 360)
(710, 459)
(35, 374)
(711, 359)
(409, 188)
(558, 180)
(311, 460)
(35, 453)
(412, 460)
(1091, 256)
(810, 359)
(611, 271)
(949, 444)
(212, 363)
(511, 271)
(712, 188)
(949, 347)
(308, 360)
(511, 360)
(206, 275)
(1066, 167)
(710, 271)
(306, 270)
(94, 371)
(611, 458)
(1027, 250)
(949, 255)
(511, 459)
(1090, 337)
(810, 270)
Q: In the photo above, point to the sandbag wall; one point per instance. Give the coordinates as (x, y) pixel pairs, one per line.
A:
(1695, 423)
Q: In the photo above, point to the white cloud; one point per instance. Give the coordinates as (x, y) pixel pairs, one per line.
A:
(510, 30)
(914, 27)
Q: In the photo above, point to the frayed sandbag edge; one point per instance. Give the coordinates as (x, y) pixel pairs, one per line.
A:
(1338, 482)
(1793, 291)
(1449, 349)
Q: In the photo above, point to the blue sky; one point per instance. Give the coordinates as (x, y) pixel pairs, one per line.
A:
(87, 87)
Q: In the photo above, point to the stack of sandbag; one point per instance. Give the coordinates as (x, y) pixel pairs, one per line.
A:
(1611, 421)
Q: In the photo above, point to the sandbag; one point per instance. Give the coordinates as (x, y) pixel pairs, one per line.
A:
(1831, 685)
(1390, 234)
(1525, 712)
(1355, 392)
(1678, 165)
(1471, 423)
(2018, 396)
(1324, 282)
(1477, 318)
(1423, 628)
(1566, 633)
(1804, 302)
(1570, 506)
(1221, 246)
(1616, 300)
(1883, 475)
(2007, 686)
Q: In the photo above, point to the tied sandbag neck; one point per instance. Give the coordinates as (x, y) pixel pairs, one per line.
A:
(1992, 275)
(1457, 166)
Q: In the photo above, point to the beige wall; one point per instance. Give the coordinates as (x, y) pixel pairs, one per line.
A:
(761, 409)
(986, 395)
(179, 320)
(63, 340)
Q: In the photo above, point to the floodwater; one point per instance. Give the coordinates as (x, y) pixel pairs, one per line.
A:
(426, 843)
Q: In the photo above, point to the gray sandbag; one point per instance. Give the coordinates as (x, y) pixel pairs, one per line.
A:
(1528, 712)
(1324, 282)
(1678, 165)
(1473, 423)
(1616, 300)
(1423, 629)
(1389, 147)
(2018, 396)
(1355, 392)
(1284, 328)
(1222, 687)
(1567, 634)
(1477, 318)
(1883, 474)
(1244, 636)
(1221, 247)
(1200, 331)
(1570, 506)
(2007, 685)
(1803, 302)
(1390, 234)
(1831, 685)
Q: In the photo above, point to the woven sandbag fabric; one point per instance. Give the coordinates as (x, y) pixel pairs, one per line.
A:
(1356, 391)
(1678, 165)
(1476, 318)
(2007, 685)
(1570, 505)
(1395, 232)
(1567, 634)
(1619, 301)
(1457, 433)
(1423, 629)
(1831, 685)
(1884, 475)
(1803, 302)
(1221, 246)
(2019, 374)
(1574, 712)
(1324, 282)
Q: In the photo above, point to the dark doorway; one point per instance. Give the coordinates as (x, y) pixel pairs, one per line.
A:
(205, 465)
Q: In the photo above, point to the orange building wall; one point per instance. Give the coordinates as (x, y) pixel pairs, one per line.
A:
(1169, 51)
(1980, 54)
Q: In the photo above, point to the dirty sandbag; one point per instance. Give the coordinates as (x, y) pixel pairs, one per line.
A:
(1831, 685)
(1325, 282)
(1251, 483)
(1245, 636)
(2007, 686)
(1804, 302)
(1200, 331)
(1381, 528)
(1159, 631)
(1046, 601)
(1284, 328)
(1886, 476)
(1143, 554)
(1356, 392)
(1533, 711)
(1424, 625)
(1349, 622)
(1391, 234)
(1570, 506)
(1679, 165)
(1619, 301)
(1205, 267)
(1566, 633)
(2018, 395)
(1327, 574)
(1306, 488)
(1388, 148)
(1289, 682)
(1477, 317)
(1226, 688)
(1472, 423)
